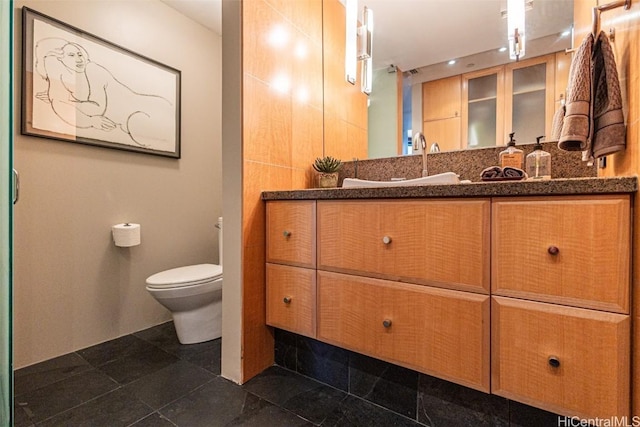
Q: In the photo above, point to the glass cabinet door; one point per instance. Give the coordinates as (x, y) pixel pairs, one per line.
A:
(482, 108)
(529, 98)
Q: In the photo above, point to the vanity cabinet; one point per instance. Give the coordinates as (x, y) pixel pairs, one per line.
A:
(565, 250)
(437, 331)
(410, 243)
(290, 269)
(291, 299)
(523, 297)
(560, 303)
(291, 233)
(442, 243)
(566, 360)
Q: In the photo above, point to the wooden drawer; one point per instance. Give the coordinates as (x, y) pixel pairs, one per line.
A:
(592, 236)
(441, 332)
(291, 299)
(443, 243)
(291, 232)
(592, 379)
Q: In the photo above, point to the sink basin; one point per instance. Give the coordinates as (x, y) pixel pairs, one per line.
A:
(439, 179)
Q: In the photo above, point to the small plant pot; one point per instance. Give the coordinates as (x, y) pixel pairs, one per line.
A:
(327, 180)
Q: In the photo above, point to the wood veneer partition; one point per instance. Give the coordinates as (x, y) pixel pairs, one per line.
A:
(285, 127)
(345, 106)
(627, 163)
(282, 128)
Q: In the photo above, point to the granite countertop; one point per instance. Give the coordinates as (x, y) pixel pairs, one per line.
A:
(553, 187)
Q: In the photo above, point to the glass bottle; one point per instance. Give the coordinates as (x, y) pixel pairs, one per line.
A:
(511, 156)
(539, 162)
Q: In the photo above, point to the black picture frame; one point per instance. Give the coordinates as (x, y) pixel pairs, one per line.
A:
(80, 88)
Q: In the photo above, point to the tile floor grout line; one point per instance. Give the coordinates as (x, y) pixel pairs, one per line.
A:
(183, 396)
(83, 403)
(148, 415)
(347, 394)
(283, 408)
(89, 365)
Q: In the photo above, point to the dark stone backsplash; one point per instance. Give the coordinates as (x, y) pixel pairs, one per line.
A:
(466, 163)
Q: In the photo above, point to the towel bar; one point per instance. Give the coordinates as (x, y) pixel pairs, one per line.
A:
(604, 7)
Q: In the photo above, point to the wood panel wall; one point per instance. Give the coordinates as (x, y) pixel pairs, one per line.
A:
(282, 129)
(292, 114)
(345, 106)
(625, 45)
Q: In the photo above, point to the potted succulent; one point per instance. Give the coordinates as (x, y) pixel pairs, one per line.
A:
(327, 168)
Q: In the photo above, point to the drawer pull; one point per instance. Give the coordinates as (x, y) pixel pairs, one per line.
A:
(386, 240)
(553, 250)
(286, 300)
(386, 323)
(554, 362)
(286, 233)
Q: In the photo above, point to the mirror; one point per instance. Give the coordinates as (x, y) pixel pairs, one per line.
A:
(470, 32)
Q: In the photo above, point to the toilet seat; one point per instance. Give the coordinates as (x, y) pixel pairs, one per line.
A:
(182, 277)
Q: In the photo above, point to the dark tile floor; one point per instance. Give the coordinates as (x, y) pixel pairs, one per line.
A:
(149, 380)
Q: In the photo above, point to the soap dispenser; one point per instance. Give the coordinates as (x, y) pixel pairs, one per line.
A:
(511, 156)
(539, 162)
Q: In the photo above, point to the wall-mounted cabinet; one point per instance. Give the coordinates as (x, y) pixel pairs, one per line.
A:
(481, 108)
(528, 104)
(441, 110)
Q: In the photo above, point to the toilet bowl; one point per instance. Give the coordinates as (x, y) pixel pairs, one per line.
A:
(193, 295)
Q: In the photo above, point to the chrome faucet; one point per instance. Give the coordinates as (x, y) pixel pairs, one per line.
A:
(420, 141)
(435, 148)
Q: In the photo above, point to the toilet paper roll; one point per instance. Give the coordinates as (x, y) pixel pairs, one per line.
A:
(126, 235)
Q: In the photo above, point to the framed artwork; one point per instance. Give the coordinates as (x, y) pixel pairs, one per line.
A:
(80, 88)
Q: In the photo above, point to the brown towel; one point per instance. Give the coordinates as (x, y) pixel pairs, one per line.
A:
(510, 172)
(491, 172)
(556, 125)
(609, 133)
(496, 173)
(576, 128)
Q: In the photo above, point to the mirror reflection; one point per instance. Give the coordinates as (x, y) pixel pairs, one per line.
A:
(448, 75)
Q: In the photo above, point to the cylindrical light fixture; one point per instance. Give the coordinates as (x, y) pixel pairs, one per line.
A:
(515, 28)
(365, 42)
(351, 49)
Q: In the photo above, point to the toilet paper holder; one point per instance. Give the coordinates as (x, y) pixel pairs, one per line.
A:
(126, 234)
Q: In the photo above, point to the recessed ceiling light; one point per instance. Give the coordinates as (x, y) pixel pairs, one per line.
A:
(502, 49)
(565, 33)
(451, 62)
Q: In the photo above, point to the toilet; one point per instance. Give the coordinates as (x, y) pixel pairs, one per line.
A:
(193, 295)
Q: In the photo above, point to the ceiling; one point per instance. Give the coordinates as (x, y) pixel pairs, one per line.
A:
(205, 12)
(416, 33)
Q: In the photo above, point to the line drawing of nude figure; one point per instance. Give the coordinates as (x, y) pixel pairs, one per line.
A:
(86, 95)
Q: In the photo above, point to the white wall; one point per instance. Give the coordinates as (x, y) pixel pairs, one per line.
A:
(72, 287)
(232, 195)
